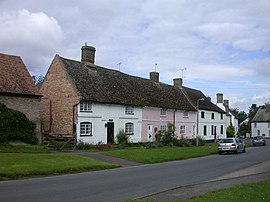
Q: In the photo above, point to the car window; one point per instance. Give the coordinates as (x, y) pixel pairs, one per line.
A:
(226, 141)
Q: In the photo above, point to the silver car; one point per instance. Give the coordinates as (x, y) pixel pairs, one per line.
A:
(228, 145)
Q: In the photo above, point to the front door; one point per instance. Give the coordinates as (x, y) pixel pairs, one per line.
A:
(110, 132)
(150, 132)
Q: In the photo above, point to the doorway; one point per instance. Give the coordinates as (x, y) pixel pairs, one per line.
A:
(110, 132)
(149, 132)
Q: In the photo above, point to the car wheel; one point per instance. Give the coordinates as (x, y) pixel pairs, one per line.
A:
(219, 152)
(244, 150)
(236, 151)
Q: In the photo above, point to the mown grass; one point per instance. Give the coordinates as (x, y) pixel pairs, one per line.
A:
(17, 165)
(6, 148)
(244, 192)
(157, 155)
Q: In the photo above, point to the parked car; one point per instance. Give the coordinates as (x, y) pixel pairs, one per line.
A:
(228, 145)
(258, 141)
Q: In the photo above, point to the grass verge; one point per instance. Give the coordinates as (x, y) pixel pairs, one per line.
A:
(13, 166)
(244, 192)
(157, 155)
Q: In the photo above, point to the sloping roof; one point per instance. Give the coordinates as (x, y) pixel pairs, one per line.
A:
(99, 84)
(262, 115)
(14, 77)
(204, 102)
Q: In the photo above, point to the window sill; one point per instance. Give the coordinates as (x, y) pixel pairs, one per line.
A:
(86, 135)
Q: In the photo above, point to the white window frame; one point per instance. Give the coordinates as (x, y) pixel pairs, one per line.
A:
(129, 128)
(163, 112)
(85, 107)
(202, 114)
(255, 125)
(221, 116)
(129, 110)
(212, 115)
(185, 114)
(182, 129)
(85, 129)
(221, 129)
(163, 128)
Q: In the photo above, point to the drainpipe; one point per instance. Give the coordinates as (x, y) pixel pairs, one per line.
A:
(174, 120)
(73, 121)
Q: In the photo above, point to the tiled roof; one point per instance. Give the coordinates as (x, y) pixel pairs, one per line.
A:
(262, 115)
(14, 77)
(204, 102)
(99, 84)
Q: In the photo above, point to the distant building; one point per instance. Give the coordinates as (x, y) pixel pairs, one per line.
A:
(17, 89)
(260, 124)
(231, 118)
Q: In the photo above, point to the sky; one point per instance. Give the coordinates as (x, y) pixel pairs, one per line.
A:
(215, 46)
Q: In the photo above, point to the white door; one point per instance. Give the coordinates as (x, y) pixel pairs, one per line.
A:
(150, 132)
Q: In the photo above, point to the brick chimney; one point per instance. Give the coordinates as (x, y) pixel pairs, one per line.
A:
(219, 98)
(88, 54)
(177, 82)
(154, 76)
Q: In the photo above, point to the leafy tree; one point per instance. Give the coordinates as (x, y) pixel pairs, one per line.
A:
(240, 115)
(243, 129)
(230, 131)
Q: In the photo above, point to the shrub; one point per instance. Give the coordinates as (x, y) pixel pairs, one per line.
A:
(201, 141)
(14, 125)
(122, 138)
(182, 142)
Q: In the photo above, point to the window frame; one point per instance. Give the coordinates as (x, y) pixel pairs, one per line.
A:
(205, 130)
(185, 114)
(163, 112)
(129, 128)
(212, 115)
(129, 110)
(202, 114)
(221, 129)
(85, 124)
(182, 129)
(163, 128)
(85, 106)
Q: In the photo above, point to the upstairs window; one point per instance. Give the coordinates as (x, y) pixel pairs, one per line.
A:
(182, 129)
(255, 125)
(202, 115)
(212, 115)
(185, 113)
(129, 128)
(163, 128)
(85, 129)
(221, 116)
(85, 107)
(129, 110)
(269, 125)
(163, 112)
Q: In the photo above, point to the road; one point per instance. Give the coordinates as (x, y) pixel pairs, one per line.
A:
(131, 182)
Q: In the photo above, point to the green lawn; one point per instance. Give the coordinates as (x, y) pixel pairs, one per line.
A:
(156, 155)
(244, 192)
(23, 161)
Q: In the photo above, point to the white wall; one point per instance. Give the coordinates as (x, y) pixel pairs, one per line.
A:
(209, 122)
(103, 113)
(260, 129)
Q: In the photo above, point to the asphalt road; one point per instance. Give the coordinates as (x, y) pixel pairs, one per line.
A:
(131, 182)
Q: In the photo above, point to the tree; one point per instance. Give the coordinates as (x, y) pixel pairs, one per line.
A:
(230, 131)
(38, 80)
(240, 115)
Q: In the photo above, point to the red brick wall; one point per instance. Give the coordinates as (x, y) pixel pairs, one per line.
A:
(29, 106)
(58, 90)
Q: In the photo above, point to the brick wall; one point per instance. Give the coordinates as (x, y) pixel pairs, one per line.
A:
(59, 99)
(29, 106)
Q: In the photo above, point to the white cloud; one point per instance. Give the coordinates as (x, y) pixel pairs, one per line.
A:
(31, 35)
(262, 98)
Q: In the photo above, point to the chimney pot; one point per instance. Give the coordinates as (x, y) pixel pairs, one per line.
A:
(154, 76)
(88, 54)
(178, 82)
(219, 98)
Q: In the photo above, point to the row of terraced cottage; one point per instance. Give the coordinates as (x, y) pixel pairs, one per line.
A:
(93, 103)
